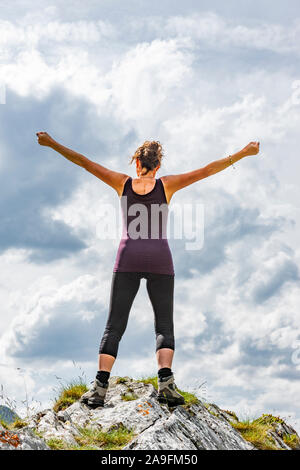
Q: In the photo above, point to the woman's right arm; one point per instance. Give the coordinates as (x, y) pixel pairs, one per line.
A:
(113, 178)
(173, 183)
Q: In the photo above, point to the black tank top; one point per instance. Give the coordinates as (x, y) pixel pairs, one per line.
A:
(144, 246)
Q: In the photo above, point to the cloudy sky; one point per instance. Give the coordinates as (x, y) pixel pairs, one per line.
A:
(204, 78)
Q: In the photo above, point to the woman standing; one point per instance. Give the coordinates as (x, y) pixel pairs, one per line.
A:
(142, 255)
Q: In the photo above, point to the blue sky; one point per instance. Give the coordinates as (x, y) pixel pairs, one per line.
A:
(204, 78)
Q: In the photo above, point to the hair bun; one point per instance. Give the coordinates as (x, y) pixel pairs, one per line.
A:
(150, 154)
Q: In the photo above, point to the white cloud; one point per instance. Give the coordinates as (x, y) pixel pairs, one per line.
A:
(145, 76)
(44, 306)
(31, 31)
(220, 33)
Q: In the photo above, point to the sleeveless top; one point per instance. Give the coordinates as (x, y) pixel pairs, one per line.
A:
(144, 246)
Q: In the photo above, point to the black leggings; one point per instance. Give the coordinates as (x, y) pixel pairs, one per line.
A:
(124, 288)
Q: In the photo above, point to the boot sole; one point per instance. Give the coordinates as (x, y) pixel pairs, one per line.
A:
(170, 401)
(94, 404)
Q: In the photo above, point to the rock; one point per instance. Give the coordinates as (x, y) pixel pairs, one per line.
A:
(51, 427)
(155, 426)
(193, 429)
(22, 439)
(227, 415)
(278, 430)
(137, 414)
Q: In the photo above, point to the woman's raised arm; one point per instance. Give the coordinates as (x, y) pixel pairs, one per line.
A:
(113, 178)
(173, 183)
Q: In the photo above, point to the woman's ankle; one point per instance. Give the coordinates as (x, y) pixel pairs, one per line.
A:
(103, 376)
(164, 372)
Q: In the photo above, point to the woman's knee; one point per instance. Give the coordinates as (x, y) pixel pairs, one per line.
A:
(110, 342)
(165, 341)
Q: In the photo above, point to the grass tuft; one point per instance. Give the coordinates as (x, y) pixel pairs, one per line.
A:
(268, 419)
(18, 424)
(37, 433)
(149, 380)
(256, 433)
(190, 398)
(121, 380)
(292, 440)
(115, 439)
(207, 406)
(4, 424)
(56, 444)
(69, 394)
(129, 396)
(232, 413)
(94, 439)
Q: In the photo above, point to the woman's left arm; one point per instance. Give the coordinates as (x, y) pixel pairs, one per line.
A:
(173, 183)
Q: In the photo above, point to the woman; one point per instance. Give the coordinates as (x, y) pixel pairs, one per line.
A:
(142, 257)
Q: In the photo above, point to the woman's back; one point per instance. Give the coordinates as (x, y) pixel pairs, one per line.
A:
(144, 246)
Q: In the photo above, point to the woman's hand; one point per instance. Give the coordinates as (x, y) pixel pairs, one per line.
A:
(251, 149)
(44, 139)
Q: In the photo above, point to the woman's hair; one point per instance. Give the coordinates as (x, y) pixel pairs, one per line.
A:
(149, 154)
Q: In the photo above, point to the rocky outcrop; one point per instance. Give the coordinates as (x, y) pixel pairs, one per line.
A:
(21, 439)
(154, 426)
(194, 429)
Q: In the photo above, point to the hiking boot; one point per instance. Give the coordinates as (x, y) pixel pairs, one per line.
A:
(96, 395)
(167, 392)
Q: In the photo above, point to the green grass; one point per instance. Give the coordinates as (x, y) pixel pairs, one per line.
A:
(69, 394)
(37, 433)
(268, 419)
(121, 380)
(292, 440)
(256, 432)
(129, 396)
(207, 406)
(14, 426)
(57, 444)
(232, 413)
(4, 424)
(94, 439)
(60, 444)
(149, 380)
(114, 439)
(18, 424)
